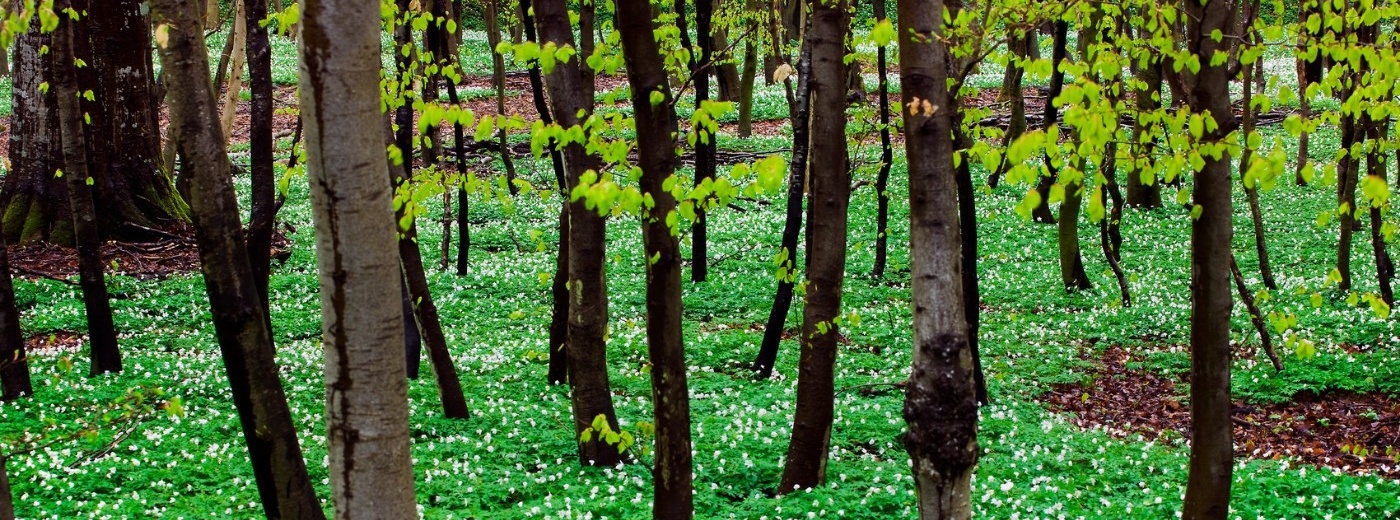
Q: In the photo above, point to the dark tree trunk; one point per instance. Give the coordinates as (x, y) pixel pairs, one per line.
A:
(464, 229)
(1309, 72)
(1385, 268)
(940, 405)
(830, 191)
(1256, 317)
(1145, 194)
(1251, 190)
(559, 290)
(792, 223)
(7, 498)
(498, 81)
(705, 141)
(1041, 213)
(264, 179)
(240, 319)
(131, 192)
(671, 477)
(102, 334)
(454, 403)
(1212, 450)
(412, 340)
(746, 82)
(1072, 274)
(1013, 93)
(588, 308)
(1347, 171)
(972, 292)
(882, 179)
(726, 72)
(14, 365)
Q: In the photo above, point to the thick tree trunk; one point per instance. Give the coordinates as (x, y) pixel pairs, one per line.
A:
(102, 334)
(263, 213)
(726, 71)
(14, 365)
(236, 301)
(940, 405)
(671, 477)
(35, 202)
(588, 297)
(371, 474)
(1212, 450)
(792, 222)
(828, 165)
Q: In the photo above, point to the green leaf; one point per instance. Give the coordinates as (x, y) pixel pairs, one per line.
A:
(883, 33)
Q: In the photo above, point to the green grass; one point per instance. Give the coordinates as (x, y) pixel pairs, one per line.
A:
(513, 459)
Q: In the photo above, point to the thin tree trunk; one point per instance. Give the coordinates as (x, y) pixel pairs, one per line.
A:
(1347, 171)
(1041, 213)
(263, 215)
(102, 334)
(828, 164)
(671, 476)
(1212, 448)
(1385, 267)
(746, 83)
(972, 292)
(588, 306)
(14, 363)
(1256, 317)
(498, 81)
(236, 303)
(1072, 274)
(882, 179)
(1251, 190)
(792, 223)
(1014, 94)
(235, 73)
(940, 403)
(371, 473)
(464, 229)
(705, 141)
(1145, 193)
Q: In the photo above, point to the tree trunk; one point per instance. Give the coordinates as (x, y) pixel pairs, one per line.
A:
(588, 297)
(1212, 450)
(559, 290)
(14, 364)
(1309, 72)
(1255, 316)
(131, 192)
(830, 191)
(35, 202)
(705, 140)
(371, 474)
(967, 224)
(1145, 193)
(1347, 171)
(498, 81)
(1251, 190)
(7, 497)
(1013, 93)
(235, 299)
(263, 213)
(940, 404)
(1385, 268)
(746, 83)
(238, 43)
(671, 477)
(792, 223)
(464, 229)
(1041, 213)
(102, 334)
(726, 72)
(882, 178)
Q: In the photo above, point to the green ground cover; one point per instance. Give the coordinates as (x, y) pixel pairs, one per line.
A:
(514, 457)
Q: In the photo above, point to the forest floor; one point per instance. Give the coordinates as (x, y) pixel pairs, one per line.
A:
(1089, 416)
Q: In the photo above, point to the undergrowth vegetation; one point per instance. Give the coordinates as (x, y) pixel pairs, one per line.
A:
(514, 457)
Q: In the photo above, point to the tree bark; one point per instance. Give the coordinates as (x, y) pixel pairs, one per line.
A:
(828, 164)
(940, 403)
(792, 222)
(7, 498)
(1145, 194)
(1251, 190)
(655, 123)
(726, 71)
(498, 81)
(102, 334)
(371, 474)
(882, 178)
(1212, 450)
(14, 364)
(1012, 92)
(263, 213)
(236, 301)
(705, 140)
(588, 298)
(238, 42)
(1041, 213)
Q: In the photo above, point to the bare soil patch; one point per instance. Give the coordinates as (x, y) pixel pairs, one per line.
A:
(1354, 433)
(176, 253)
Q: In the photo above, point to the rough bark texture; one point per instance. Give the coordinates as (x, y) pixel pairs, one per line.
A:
(828, 165)
(14, 365)
(236, 303)
(35, 202)
(940, 404)
(263, 176)
(588, 297)
(656, 151)
(102, 334)
(792, 223)
(366, 390)
(131, 192)
(1212, 452)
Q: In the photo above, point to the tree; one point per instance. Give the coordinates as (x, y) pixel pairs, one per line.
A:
(587, 283)
(656, 151)
(235, 298)
(705, 141)
(263, 178)
(14, 365)
(882, 179)
(940, 403)
(131, 191)
(102, 333)
(366, 390)
(828, 166)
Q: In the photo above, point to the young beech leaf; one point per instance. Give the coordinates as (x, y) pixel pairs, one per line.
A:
(883, 33)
